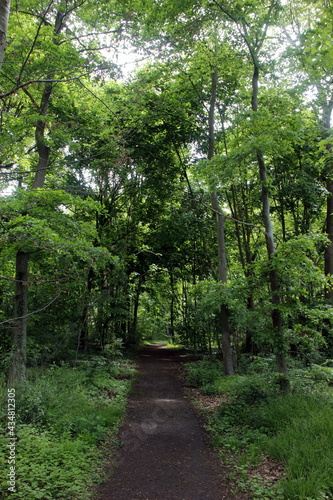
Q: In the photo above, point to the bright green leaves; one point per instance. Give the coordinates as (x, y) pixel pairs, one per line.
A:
(302, 283)
(297, 263)
(53, 222)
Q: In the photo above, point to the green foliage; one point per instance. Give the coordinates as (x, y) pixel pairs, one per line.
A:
(91, 399)
(294, 428)
(48, 219)
(63, 413)
(203, 374)
(133, 250)
(50, 468)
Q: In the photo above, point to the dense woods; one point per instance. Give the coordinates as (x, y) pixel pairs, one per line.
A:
(189, 200)
(192, 198)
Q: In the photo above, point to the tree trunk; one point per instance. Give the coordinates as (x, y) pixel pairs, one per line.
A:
(134, 324)
(172, 308)
(329, 230)
(326, 123)
(221, 248)
(42, 148)
(84, 332)
(243, 239)
(22, 258)
(18, 362)
(270, 244)
(220, 219)
(4, 16)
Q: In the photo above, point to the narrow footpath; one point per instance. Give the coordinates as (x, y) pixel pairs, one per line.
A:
(165, 453)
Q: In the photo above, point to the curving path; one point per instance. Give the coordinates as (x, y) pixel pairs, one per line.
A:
(164, 454)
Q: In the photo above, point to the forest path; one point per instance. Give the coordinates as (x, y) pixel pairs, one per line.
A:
(164, 454)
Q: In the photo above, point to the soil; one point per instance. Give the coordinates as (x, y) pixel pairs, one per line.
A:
(164, 453)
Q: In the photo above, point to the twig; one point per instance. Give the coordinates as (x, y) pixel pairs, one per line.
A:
(30, 314)
(46, 80)
(39, 282)
(233, 218)
(34, 41)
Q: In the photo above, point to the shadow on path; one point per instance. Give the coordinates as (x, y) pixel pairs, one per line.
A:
(164, 453)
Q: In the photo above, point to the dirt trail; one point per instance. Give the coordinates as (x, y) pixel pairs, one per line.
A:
(164, 454)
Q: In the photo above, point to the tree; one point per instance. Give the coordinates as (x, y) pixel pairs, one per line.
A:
(315, 59)
(253, 34)
(17, 369)
(51, 48)
(4, 16)
(220, 219)
(187, 141)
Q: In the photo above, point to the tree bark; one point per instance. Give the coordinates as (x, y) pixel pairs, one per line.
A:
(17, 368)
(270, 244)
(329, 230)
(19, 352)
(326, 123)
(243, 239)
(221, 247)
(84, 332)
(42, 148)
(4, 16)
(172, 307)
(134, 324)
(220, 219)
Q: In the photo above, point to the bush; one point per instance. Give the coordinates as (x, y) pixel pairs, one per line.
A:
(62, 415)
(50, 468)
(203, 373)
(295, 427)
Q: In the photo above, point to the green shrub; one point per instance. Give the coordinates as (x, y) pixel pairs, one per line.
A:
(295, 427)
(203, 373)
(49, 468)
(62, 414)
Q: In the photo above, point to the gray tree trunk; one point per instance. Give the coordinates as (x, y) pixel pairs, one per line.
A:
(270, 244)
(220, 219)
(19, 352)
(4, 16)
(18, 362)
(326, 124)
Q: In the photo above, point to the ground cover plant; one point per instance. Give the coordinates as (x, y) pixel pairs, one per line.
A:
(256, 419)
(64, 414)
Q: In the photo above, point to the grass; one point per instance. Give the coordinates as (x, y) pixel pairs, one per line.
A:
(166, 343)
(306, 447)
(63, 415)
(294, 428)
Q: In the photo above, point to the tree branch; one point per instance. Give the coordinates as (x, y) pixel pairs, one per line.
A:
(32, 313)
(46, 80)
(233, 218)
(34, 41)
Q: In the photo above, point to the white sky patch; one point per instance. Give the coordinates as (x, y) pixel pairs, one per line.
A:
(7, 191)
(128, 59)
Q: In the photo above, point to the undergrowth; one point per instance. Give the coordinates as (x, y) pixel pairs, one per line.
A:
(63, 414)
(295, 428)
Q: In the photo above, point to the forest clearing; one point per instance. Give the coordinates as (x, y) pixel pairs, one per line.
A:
(166, 176)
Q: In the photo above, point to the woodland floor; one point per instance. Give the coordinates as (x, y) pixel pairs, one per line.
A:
(164, 453)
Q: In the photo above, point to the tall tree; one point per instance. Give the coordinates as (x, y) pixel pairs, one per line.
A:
(54, 69)
(221, 245)
(4, 16)
(17, 367)
(253, 34)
